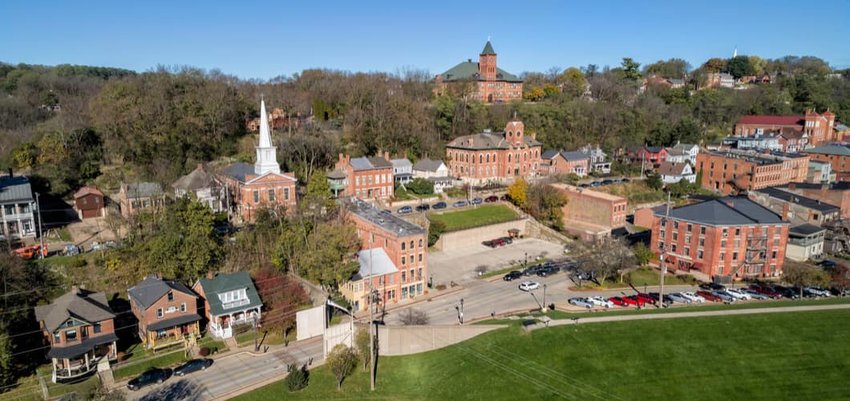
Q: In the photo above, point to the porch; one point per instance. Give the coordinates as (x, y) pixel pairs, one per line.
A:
(79, 360)
(170, 332)
(221, 326)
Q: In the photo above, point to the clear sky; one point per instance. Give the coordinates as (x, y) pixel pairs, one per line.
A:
(255, 39)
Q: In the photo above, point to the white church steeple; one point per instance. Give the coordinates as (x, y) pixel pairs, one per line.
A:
(266, 153)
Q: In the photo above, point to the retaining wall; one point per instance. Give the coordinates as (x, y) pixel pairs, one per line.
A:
(406, 340)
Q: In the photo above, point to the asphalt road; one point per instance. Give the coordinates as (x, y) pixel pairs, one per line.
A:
(232, 373)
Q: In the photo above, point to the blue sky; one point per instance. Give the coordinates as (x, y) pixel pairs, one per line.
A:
(254, 39)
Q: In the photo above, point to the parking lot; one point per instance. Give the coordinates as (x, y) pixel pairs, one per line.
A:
(459, 265)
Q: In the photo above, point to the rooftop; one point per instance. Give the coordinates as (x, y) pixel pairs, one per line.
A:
(397, 163)
(726, 211)
(88, 306)
(752, 157)
(487, 140)
(831, 149)
(15, 188)
(589, 192)
(427, 165)
(87, 191)
(239, 171)
(668, 168)
(790, 197)
(143, 189)
(199, 178)
(804, 230)
(386, 221)
(771, 120)
(223, 282)
(374, 262)
(369, 163)
(152, 288)
(468, 71)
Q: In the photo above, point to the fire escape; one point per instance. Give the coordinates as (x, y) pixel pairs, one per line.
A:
(755, 257)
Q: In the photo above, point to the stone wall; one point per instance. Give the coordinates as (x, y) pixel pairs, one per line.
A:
(475, 236)
(406, 340)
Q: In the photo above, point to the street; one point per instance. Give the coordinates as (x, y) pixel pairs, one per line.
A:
(231, 373)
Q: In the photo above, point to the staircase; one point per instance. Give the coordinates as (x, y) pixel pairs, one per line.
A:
(231, 343)
(104, 372)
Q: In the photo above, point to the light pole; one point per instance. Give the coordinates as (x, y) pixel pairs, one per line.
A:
(526, 259)
(544, 298)
(663, 252)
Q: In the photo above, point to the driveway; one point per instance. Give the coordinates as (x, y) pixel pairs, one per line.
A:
(459, 265)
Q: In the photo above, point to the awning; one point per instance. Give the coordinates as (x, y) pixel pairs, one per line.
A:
(82, 347)
(177, 321)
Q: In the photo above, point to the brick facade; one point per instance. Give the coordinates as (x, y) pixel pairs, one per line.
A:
(592, 208)
(497, 157)
(818, 127)
(729, 172)
(483, 81)
(366, 177)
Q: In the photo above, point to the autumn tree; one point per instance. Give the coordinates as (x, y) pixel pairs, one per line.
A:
(518, 191)
(572, 82)
(801, 275)
(328, 257)
(282, 296)
(341, 360)
(544, 202)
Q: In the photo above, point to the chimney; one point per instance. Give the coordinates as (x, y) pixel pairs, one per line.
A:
(387, 155)
(210, 275)
(785, 208)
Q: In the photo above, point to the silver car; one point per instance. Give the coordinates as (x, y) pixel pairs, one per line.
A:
(581, 302)
(677, 297)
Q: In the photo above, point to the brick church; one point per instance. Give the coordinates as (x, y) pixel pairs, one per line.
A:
(483, 80)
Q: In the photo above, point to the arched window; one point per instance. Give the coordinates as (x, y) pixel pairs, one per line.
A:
(411, 247)
(420, 243)
(467, 157)
(509, 157)
(481, 158)
(402, 246)
(510, 134)
(488, 158)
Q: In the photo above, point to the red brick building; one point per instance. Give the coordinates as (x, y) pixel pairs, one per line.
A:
(88, 202)
(819, 127)
(393, 255)
(591, 214)
(650, 157)
(483, 81)
(731, 237)
(555, 162)
(734, 171)
(167, 312)
(837, 155)
(363, 177)
(837, 194)
(494, 156)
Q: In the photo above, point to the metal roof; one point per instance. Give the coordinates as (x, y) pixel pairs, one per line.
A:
(726, 211)
(15, 188)
(804, 230)
(428, 165)
(834, 149)
(143, 189)
(401, 163)
(369, 163)
(374, 262)
(82, 347)
(239, 171)
(386, 221)
(801, 200)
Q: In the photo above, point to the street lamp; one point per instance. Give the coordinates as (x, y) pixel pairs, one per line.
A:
(459, 309)
(526, 259)
(544, 297)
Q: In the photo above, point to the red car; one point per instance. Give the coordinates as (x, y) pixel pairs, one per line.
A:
(709, 296)
(766, 291)
(634, 300)
(646, 298)
(618, 301)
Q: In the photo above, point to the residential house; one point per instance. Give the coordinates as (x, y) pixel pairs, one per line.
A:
(393, 258)
(761, 143)
(841, 132)
(16, 205)
(805, 242)
(482, 81)
(427, 168)
(402, 170)
(495, 156)
(80, 329)
(719, 79)
(798, 208)
(793, 141)
(837, 155)
(720, 239)
(263, 186)
(733, 170)
(441, 183)
(363, 177)
(683, 153)
(140, 196)
(557, 162)
(819, 172)
(672, 173)
(649, 157)
(89, 203)
(167, 312)
(204, 187)
(591, 214)
(230, 301)
(818, 127)
(599, 162)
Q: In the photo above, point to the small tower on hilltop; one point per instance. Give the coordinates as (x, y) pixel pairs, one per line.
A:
(266, 153)
(487, 63)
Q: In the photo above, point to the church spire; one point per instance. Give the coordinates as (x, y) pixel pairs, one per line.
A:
(266, 153)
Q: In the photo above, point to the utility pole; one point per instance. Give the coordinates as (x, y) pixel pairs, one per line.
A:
(544, 298)
(372, 358)
(40, 232)
(663, 252)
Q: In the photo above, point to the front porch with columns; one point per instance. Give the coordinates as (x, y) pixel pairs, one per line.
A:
(221, 326)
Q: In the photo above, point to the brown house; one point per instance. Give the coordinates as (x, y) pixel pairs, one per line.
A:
(88, 202)
(80, 328)
(167, 312)
(363, 177)
(140, 196)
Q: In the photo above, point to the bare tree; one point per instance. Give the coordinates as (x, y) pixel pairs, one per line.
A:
(414, 317)
(605, 258)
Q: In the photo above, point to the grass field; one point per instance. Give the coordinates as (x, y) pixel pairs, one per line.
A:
(474, 217)
(799, 356)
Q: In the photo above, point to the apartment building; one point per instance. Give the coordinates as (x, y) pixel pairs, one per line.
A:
(363, 177)
(734, 171)
(817, 127)
(837, 155)
(591, 214)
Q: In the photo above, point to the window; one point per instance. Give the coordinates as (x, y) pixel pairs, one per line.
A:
(420, 256)
(170, 295)
(411, 246)
(159, 313)
(690, 227)
(722, 256)
(183, 307)
(403, 260)
(723, 243)
(673, 248)
(256, 196)
(702, 242)
(96, 327)
(402, 245)
(271, 195)
(699, 254)
(57, 338)
(738, 231)
(171, 309)
(773, 255)
(734, 255)
(403, 276)
(70, 335)
(675, 235)
(420, 243)
(687, 251)
(419, 274)
(286, 193)
(676, 224)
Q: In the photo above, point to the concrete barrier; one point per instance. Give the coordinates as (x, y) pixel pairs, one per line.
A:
(406, 340)
(474, 236)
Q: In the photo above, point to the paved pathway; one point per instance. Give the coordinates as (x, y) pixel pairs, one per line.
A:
(677, 315)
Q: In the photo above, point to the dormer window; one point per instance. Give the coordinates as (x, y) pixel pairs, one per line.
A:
(233, 298)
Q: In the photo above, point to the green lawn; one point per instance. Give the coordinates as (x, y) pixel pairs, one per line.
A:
(474, 217)
(163, 361)
(799, 356)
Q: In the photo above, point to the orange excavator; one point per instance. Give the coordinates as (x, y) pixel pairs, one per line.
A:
(29, 252)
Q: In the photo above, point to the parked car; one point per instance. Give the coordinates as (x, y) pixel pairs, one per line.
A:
(460, 203)
(423, 207)
(840, 292)
(531, 270)
(712, 287)
(495, 243)
(192, 366)
(512, 275)
(600, 301)
(405, 210)
(71, 250)
(725, 296)
(491, 199)
(819, 291)
(582, 302)
(695, 298)
(646, 298)
(149, 377)
(618, 301)
(755, 294)
(477, 201)
(30, 252)
(546, 270)
(634, 300)
(529, 285)
(677, 297)
(827, 264)
(508, 240)
(766, 291)
(738, 294)
(584, 275)
(440, 205)
(504, 197)
(607, 182)
(709, 296)
(787, 292)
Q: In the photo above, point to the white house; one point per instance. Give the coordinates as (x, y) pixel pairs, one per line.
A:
(805, 242)
(672, 173)
(598, 159)
(427, 168)
(231, 300)
(402, 170)
(17, 205)
(441, 183)
(205, 187)
(683, 153)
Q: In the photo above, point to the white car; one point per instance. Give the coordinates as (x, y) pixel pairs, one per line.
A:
(818, 291)
(739, 294)
(529, 285)
(677, 297)
(582, 302)
(755, 294)
(693, 297)
(600, 301)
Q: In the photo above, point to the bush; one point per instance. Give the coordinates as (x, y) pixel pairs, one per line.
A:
(435, 229)
(420, 186)
(298, 378)
(204, 351)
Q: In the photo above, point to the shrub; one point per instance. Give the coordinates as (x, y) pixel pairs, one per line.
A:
(298, 378)
(204, 351)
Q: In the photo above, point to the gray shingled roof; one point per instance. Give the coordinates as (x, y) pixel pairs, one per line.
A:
(143, 189)
(674, 169)
(427, 165)
(487, 140)
(730, 210)
(801, 200)
(468, 71)
(15, 189)
(369, 163)
(401, 163)
(153, 288)
(88, 306)
(224, 282)
(239, 171)
(199, 178)
(575, 156)
(837, 150)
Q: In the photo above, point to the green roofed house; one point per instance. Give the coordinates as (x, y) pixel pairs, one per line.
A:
(483, 80)
(230, 299)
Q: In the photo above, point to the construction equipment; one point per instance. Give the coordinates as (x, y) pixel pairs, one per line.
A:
(30, 252)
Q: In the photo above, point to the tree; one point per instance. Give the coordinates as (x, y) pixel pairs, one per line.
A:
(672, 68)
(545, 204)
(435, 229)
(714, 65)
(318, 192)
(631, 69)
(605, 258)
(740, 66)
(517, 192)
(414, 317)
(298, 378)
(653, 181)
(361, 342)
(7, 368)
(802, 275)
(572, 82)
(341, 361)
(840, 275)
(328, 257)
(281, 296)
(420, 186)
